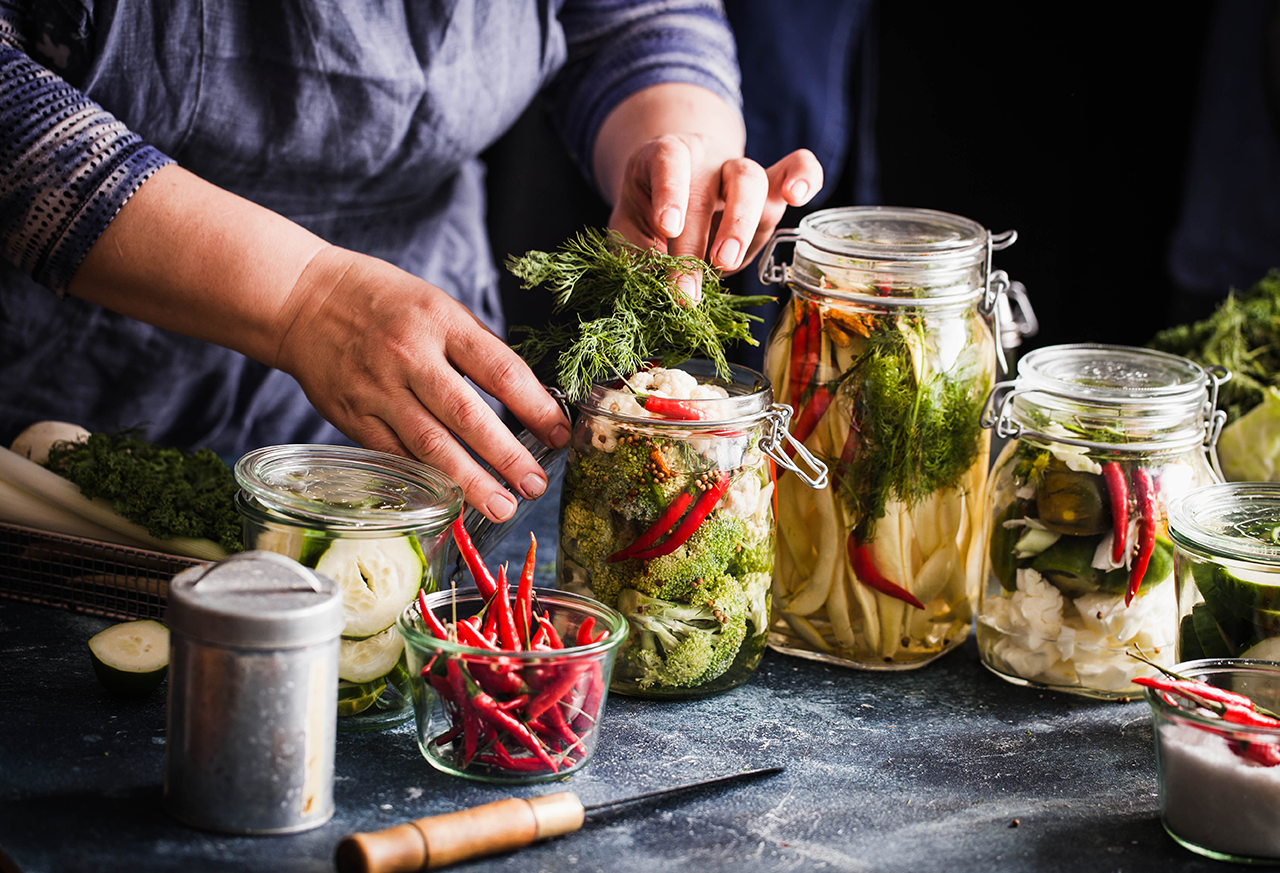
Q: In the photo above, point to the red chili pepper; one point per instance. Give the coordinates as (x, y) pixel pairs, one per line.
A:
(562, 729)
(664, 523)
(506, 621)
(551, 695)
(1232, 707)
(1118, 492)
(524, 594)
(552, 636)
(469, 636)
(701, 509)
(429, 618)
(865, 569)
(461, 696)
(584, 631)
(479, 572)
(1266, 754)
(796, 381)
(488, 710)
(1145, 491)
(669, 407)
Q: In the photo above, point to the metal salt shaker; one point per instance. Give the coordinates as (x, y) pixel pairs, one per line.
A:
(253, 683)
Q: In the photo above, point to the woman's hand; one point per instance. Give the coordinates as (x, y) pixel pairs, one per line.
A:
(383, 355)
(686, 188)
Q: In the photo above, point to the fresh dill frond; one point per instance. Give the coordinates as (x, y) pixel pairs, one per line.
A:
(623, 312)
(915, 436)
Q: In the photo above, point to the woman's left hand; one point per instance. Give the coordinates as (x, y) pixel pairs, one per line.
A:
(692, 192)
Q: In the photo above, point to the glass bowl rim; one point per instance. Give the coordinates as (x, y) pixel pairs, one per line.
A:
(617, 626)
(1196, 670)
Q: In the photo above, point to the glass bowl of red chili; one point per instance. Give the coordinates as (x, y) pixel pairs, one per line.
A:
(491, 711)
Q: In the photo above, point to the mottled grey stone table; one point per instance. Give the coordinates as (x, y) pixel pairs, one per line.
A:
(939, 770)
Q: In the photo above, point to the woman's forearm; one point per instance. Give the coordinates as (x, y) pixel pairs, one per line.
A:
(190, 257)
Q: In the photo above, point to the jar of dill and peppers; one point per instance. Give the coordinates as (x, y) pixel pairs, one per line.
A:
(1081, 578)
(886, 353)
(667, 515)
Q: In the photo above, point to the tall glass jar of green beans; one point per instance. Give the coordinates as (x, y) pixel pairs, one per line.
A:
(886, 353)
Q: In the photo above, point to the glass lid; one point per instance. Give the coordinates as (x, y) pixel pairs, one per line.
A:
(890, 233)
(1113, 374)
(349, 487)
(1239, 520)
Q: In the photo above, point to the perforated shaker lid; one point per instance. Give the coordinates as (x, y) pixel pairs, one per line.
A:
(258, 600)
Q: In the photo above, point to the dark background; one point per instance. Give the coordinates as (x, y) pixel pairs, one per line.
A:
(1069, 124)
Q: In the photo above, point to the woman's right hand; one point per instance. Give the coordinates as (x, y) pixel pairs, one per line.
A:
(380, 353)
(383, 355)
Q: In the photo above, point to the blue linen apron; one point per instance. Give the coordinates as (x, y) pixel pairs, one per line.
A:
(361, 121)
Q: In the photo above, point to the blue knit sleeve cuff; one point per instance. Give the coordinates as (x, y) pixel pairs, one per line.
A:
(66, 168)
(616, 48)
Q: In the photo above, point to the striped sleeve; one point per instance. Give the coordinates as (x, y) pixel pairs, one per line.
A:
(618, 47)
(66, 167)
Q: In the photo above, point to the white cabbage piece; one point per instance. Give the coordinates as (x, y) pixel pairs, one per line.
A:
(1249, 447)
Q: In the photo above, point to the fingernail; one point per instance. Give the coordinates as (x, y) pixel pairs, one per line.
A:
(500, 507)
(800, 190)
(559, 437)
(532, 486)
(728, 254)
(690, 286)
(670, 221)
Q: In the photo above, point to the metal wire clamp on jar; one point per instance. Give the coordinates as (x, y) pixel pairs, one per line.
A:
(666, 515)
(886, 352)
(1081, 572)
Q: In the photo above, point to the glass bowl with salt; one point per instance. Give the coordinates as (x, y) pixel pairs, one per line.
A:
(1217, 741)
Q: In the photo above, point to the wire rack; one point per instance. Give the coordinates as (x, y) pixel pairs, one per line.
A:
(85, 575)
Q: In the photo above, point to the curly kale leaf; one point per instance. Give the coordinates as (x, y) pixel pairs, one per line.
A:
(169, 492)
(618, 312)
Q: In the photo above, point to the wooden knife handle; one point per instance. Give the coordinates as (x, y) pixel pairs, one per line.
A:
(440, 840)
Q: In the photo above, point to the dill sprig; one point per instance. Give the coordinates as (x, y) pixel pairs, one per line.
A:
(622, 312)
(915, 437)
(1240, 335)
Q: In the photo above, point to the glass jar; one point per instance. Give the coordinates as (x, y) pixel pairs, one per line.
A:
(374, 523)
(667, 515)
(886, 353)
(1080, 573)
(1226, 541)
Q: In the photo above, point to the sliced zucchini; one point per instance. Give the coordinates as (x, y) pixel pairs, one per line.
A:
(362, 661)
(378, 579)
(131, 658)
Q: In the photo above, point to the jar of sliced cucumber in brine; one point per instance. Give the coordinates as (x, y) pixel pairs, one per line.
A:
(1226, 540)
(885, 352)
(1080, 592)
(377, 525)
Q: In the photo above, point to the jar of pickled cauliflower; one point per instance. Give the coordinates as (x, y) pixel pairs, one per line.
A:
(667, 515)
(1080, 584)
(886, 353)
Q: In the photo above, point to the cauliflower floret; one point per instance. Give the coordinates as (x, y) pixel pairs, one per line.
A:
(673, 383)
(1106, 614)
(1036, 607)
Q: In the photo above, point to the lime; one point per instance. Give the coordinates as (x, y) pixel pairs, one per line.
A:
(356, 697)
(131, 658)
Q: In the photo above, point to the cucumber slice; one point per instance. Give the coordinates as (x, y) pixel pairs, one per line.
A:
(365, 660)
(131, 658)
(355, 697)
(378, 579)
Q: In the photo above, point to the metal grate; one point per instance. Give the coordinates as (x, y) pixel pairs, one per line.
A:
(85, 575)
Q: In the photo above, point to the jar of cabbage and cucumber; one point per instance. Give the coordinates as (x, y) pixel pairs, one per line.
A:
(1080, 594)
(886, 353)
(667, 515)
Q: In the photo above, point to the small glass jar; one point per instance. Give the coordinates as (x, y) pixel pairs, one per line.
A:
(1226, 541)
(1219, 781)
(667, 515)
(886, 353)
(1080, 570)
(555, 698)
(374, 523)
